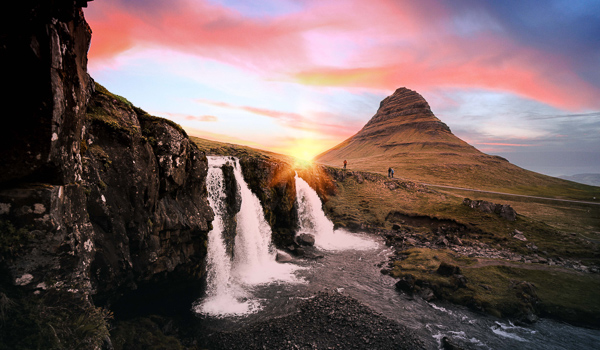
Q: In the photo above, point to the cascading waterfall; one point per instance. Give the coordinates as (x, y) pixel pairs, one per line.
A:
(221, 295)
(313, 221)
(254, 258)
(229, 282)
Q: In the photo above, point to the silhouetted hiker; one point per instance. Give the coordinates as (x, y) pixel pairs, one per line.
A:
(392, 172)
(345, 163)
(389, 172)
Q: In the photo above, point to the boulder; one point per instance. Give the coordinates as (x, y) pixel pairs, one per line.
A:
(449, 344)
(283, 256)
(427, 294)
(446, 269)
(406, 284)
(505, 211)
(305, 239)
(459, 281)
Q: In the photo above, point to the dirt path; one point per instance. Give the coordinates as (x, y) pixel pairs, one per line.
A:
(514, 195)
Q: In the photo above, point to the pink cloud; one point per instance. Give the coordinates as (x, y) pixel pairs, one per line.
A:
(377, 44)
(294, 120)
(202, 118)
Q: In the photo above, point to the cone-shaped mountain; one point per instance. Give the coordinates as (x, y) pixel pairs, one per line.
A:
(405, 134)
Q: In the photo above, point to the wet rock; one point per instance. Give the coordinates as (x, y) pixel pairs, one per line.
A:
(283, 256)
(449, 344)
(305, 239)
(446, 269)
(406, 284)
(427, 294)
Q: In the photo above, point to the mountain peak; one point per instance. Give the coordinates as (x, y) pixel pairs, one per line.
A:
(406, 135)
(403, 110)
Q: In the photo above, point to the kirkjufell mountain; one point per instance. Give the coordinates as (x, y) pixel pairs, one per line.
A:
(405, 134)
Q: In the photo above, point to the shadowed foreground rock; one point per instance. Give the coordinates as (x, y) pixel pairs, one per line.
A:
(326, 321)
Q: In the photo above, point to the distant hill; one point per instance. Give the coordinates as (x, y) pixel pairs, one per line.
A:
(587, 179)
(405, 134)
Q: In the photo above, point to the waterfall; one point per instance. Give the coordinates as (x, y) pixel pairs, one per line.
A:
(312, 220)
(229, 281)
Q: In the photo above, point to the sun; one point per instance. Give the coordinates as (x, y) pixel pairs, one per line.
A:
(305, 149)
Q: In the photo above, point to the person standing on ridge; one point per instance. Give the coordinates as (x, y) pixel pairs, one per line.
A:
(392, 172)
(389, 172)
(345, 163)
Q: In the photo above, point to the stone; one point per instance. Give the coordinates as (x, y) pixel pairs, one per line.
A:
(446, 269)
(505, 211)
(520, 237)
(305, 239)
(283, 256)
(459, 280)
(449, 344)
(406, 284)
(427, 294)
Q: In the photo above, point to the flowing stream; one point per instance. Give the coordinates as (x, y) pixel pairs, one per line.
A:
(254, 287)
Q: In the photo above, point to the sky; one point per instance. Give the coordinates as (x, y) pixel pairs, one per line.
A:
(515, 78)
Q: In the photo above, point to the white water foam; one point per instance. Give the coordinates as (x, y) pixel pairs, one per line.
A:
(229, 283)
(254, 257)
(313, 221)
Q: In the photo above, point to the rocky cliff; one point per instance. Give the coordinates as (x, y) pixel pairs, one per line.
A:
(101, 204)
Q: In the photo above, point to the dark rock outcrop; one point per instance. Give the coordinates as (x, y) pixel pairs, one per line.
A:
(98, 200)
(274, 185)
(446, 269)
(305, 239)
(233, 204)
(145, 183)
(505, 211)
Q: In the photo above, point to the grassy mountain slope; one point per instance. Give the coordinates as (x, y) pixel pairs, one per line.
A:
(404, 134)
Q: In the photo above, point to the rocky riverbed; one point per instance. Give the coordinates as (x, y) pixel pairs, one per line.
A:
(328, 320)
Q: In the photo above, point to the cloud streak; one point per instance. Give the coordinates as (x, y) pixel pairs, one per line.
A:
(293, 120)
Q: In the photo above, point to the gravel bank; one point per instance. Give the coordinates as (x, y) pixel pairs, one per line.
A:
(326, 321)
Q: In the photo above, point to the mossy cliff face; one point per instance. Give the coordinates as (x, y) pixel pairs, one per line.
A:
(100, 205)
(145, 183)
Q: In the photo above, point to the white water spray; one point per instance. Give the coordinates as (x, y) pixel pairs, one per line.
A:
(313, 221)
(254, 257)
(229, 282)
